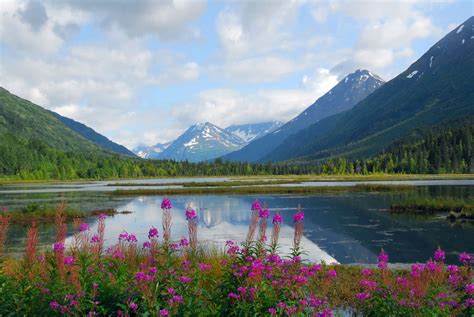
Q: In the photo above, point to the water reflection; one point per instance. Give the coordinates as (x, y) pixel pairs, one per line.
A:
(347, 227)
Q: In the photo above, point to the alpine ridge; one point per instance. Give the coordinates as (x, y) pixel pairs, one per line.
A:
(348, 92)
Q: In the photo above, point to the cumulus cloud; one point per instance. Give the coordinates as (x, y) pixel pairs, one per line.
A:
(225, 107)
(164, 19)
(388, 29)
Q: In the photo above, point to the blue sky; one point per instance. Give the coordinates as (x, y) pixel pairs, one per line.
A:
(143, 71)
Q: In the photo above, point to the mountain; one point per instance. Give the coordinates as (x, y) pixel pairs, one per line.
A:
(201, 142)
(26, 121)
(251, 132)
(438, 86)
(91, 135)
(347, 93)
(150, 152)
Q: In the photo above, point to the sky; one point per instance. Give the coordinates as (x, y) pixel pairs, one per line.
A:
(142, 72)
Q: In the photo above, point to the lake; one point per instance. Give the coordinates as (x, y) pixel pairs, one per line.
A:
(343, 227)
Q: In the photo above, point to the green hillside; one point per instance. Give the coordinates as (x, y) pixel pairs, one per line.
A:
(91, 135)
(436, 88)
(27, 121)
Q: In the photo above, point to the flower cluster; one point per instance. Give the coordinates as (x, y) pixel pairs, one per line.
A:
(166, 204)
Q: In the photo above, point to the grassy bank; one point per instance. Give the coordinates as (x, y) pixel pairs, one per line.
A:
(454, 208)
(161, 277)
(41, 214)
(262, 190)
(296, 178)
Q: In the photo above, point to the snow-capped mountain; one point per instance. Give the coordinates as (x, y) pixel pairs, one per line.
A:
(345, 95)
(201, 142)
(250, 132)
(150, 152)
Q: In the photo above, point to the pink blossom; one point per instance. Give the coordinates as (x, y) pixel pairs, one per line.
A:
(146, 245)
(58, 247)
(366, 272)
(277, 219)
(191, 214)
(166, 204)
(183, 242)
(298, 216)
(256, 205)
(84, 227)
(133, 306)
(264, 213)
(153, 233)
(362, 296)
(439, 255)
(332, 274)
(465, 258)
(69, 260)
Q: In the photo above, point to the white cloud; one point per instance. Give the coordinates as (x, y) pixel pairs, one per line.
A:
(257, 70)
(225, 107)
(165, 19)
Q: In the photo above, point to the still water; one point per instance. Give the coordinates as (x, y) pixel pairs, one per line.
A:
(342, 227)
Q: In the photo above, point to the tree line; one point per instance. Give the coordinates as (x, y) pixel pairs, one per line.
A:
(444, 149)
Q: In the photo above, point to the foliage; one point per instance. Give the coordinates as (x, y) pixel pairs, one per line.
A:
(163, 278)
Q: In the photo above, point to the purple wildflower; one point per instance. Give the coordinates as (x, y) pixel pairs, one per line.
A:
(465, 258)
(191, 214)
(264, 213)
(439, 255)
(153, 233)
(69, 260)
(166, 204)
(84, 227)
(133, 306)
(362, 296)
(58, 247)
(277, 219)
(298, 216)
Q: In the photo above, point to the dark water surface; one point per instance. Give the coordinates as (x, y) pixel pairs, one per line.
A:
(346, 227)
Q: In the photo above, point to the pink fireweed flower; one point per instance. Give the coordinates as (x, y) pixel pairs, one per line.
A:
(191, 214)
(166, 204)
(439, 255)
(470, 289)
(331, 274)
(453, 269)
(171, 291)
(256, 205)
(123, 236)
(95, 239)
(132, 238)
(465, 258)
(183, 242)
(133, 306)
(69, 260)
(185, 279)
(152, 233)
(146, 245)
(204, 267)
(264, 213)
(362, 296)
(84, 227)
(366, 272)
(58, 247)
(272, 311)
(277, 219)
(164, 312)
(233, 296)
(298, 216)
(383, 256)
(382, 259)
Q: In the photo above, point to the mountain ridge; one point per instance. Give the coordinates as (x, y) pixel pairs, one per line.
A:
(418, 97)
(344, 95)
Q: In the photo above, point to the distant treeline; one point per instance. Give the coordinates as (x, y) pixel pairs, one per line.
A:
(444, 149)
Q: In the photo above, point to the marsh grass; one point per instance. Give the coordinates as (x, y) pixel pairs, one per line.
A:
(434, 205)
(263, 190)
